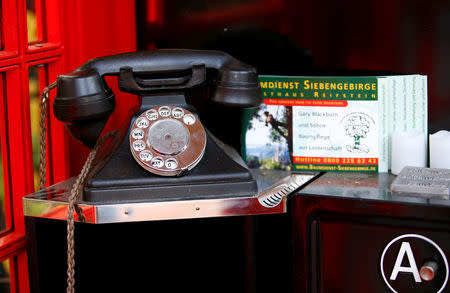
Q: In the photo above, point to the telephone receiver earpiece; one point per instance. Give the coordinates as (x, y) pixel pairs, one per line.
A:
(84, 101)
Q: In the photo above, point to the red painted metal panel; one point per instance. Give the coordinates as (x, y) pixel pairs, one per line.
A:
(22, 283)
(19, 143)
(15, 133)
(91, 29)
(9, 29)
(10, 243)
(21, 181)
(5, 151)
(41, 21)
(96, 28)
(57, 162)
(48, 27)
(57, 134)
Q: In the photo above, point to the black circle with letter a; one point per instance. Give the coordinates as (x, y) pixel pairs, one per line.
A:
(414, 263)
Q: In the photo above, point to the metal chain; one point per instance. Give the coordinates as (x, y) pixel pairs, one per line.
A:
(74, 197)
(43, 135)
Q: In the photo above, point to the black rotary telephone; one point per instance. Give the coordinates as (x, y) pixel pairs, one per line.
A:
(165, 153)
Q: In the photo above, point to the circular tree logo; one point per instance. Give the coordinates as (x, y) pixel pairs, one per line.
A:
(357, 126)
(414, 263)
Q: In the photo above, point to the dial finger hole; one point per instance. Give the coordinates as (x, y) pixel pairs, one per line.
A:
(164, 111)
(138, 145)
(151, 114)
(171, 164)
(189, 119)
(137, 133)
(142, 122)
(145, 156)
(157, 162)
(177, 113)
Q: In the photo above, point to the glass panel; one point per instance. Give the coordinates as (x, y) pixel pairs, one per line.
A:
(35, 21)
(36, 75)
(2, 185)
(5, 276)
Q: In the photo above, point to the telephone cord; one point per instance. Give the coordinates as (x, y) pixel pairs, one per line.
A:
(43, 135)
(74, 197)
(75, 192)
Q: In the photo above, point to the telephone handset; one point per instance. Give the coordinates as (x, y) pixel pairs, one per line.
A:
(165, 136)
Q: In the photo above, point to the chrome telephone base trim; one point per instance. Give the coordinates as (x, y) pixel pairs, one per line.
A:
(51, 203)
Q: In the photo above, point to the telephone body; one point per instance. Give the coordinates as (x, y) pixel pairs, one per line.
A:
(165, 153)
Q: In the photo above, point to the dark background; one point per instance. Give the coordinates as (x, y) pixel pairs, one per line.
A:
(294, 37)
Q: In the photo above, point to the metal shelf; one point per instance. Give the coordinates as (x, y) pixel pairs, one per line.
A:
(274, 187)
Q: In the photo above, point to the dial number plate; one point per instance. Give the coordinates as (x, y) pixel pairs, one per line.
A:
(167, 140)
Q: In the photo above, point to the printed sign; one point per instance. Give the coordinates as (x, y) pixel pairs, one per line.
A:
(332, 123)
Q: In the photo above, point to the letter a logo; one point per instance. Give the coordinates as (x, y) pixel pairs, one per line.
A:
(405, 249)
(399, 260)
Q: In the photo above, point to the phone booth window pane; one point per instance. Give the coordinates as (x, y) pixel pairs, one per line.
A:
(35, 21)
(5, 276)
(37, 75)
